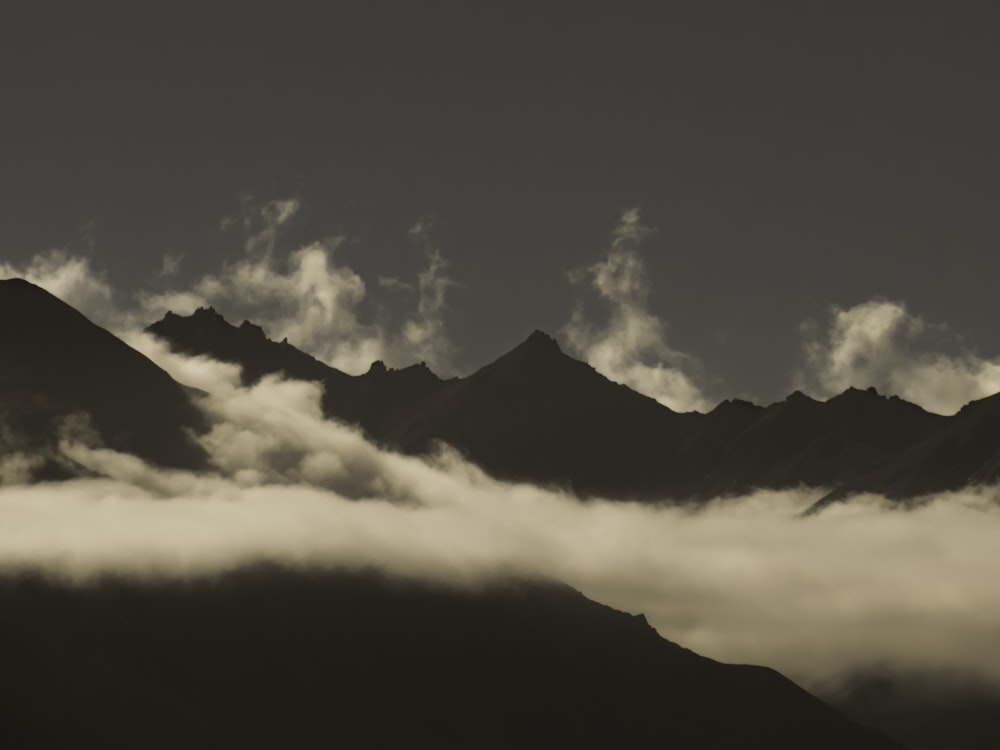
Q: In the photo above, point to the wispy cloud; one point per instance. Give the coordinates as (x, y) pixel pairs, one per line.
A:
(881, 343)
(307, 295)
(631, 346)
(424, 332)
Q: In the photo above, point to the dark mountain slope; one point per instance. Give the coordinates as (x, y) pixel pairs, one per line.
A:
(264, 658)
(819, 444)
(963, 450)
(540, 415)
(55, 363)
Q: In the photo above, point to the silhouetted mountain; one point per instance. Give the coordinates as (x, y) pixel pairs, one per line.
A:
(536, 414)
(56, 365)
(963, 450)
(804, 441)
(372, 399)
(265, 659)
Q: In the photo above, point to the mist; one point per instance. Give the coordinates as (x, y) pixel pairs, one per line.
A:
(746, 579)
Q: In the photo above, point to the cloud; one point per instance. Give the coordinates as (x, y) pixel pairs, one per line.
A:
(744, 580)
(305, 295)
(880, 343)
(171, 265)
(631, 346)
(424, 333)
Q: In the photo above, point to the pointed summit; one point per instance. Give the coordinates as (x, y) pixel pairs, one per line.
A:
(538, 350)
(542, 341)
(798, 397)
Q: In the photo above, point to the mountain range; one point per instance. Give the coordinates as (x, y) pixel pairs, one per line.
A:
(535, 414)
(538, 415)
(269, 657)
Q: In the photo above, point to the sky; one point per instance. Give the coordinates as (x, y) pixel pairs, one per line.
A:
(705, 200)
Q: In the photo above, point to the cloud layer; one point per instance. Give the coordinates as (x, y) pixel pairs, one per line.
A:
(880, 343)
(745, 580)
(631, 346)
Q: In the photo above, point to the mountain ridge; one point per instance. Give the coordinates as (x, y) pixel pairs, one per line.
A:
(536, 414)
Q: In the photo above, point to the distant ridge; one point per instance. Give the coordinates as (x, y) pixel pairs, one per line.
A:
(536, 414)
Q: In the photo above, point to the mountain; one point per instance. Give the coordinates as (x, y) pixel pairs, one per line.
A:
(61, 372)
(963, 450)
(538, 415)
(372, 399)
(267, 658)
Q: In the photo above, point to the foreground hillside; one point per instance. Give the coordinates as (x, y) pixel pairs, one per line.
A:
(265, 658)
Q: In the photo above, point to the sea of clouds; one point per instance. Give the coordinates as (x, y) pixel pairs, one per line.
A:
(749, 579)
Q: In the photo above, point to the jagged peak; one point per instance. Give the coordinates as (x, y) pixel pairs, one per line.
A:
(540, 339)
(378, 368)
(201, 318)
(798, 397)
(736, 404)
(206, 311)
(867, 395)
(854, 391)
(253, 329)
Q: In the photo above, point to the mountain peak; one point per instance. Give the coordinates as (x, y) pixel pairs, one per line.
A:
(204, 313)
(253, 330)
(798, 397)
(17, 281)
(18, 291)
(541, 341)
(735, 405)
(869, 391)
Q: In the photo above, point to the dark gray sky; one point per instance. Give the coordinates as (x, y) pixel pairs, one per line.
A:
(791, 155)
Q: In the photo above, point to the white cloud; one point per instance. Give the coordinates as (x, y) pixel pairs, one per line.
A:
(305, 295)
(880, 343)
(631, 346)
(424, 332)
(171, 265)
